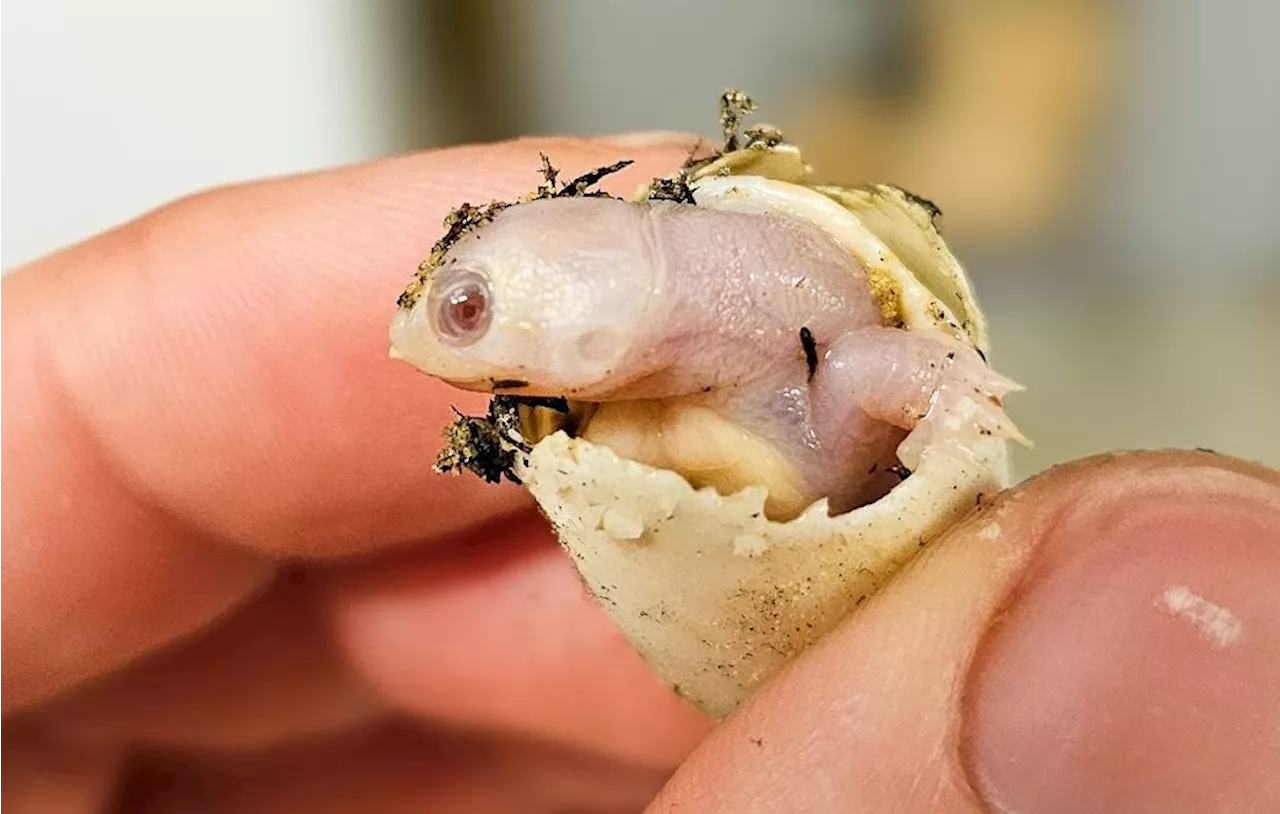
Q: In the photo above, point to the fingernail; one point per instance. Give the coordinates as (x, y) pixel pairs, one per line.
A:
(1135, 667)
(656, 138)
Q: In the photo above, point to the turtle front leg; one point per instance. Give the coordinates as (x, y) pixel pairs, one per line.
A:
(929, 383)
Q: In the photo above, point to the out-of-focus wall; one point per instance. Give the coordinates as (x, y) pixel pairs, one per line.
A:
(113, 108)
(589, 67)
(1195, 146)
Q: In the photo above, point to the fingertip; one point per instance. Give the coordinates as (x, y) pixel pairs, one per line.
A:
(891, 713)
(1132, 666)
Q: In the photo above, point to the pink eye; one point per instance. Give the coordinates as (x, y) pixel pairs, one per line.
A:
(460, 306)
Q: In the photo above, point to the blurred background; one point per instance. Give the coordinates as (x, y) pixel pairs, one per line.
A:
(1108, 171)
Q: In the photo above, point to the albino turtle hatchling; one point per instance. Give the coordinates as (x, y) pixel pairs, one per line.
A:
(743, 399)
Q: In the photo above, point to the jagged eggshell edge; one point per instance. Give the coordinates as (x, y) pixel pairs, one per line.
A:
(714, 596)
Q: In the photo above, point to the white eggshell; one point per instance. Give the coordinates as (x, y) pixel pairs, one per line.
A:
(713, 595)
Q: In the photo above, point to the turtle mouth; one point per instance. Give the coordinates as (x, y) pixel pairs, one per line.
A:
(498, 386)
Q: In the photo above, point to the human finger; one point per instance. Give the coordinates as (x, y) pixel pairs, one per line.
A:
(388, 767)
(500, 635)
(207, 388)
(269, 673)
(53, 777)
(1102, 638)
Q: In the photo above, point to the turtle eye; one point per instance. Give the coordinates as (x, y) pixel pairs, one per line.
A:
(461, 306)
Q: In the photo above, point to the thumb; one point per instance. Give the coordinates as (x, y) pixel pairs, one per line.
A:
(1104, 637)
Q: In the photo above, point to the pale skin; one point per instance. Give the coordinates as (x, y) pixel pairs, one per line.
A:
(200, 423)
(758, 319)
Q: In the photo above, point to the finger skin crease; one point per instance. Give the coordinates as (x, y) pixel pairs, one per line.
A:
(49, 619)
(73, 415)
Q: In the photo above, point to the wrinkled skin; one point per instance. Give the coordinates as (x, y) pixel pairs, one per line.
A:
(686, 322)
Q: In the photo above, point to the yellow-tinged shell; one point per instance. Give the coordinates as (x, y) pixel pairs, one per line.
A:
(891, 232)
(715, 596)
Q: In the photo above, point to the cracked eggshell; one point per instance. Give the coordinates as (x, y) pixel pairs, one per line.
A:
(715, 596)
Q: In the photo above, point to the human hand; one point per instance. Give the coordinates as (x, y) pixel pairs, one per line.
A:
(226, 558)
(229, 569)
